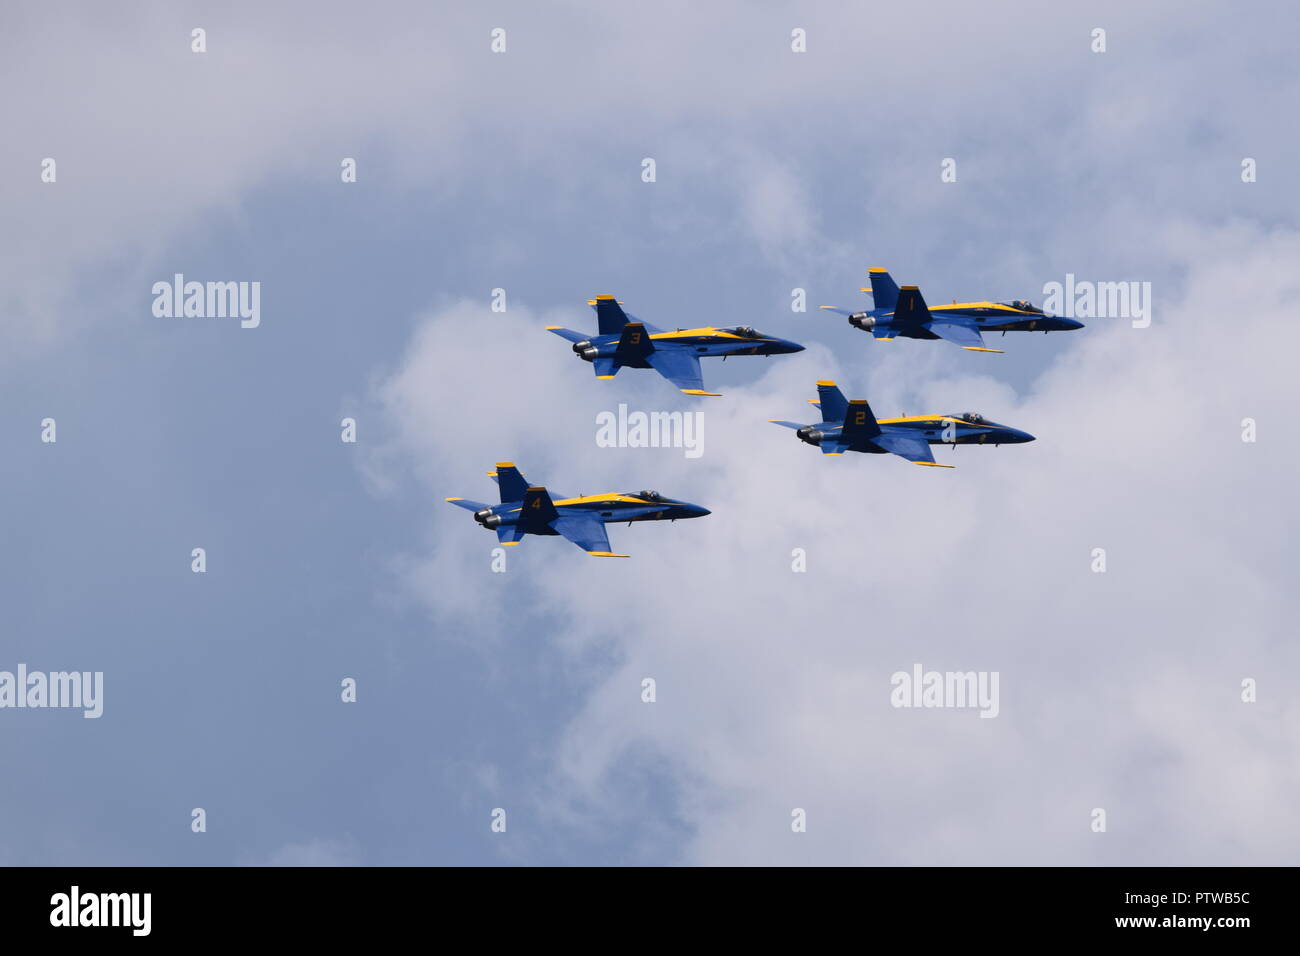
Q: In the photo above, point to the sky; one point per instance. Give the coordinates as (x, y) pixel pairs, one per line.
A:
(521, 170)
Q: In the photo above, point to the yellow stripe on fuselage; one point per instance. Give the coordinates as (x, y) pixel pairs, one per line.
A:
(704, 333)
(998, 306)
(593, 499)
(924, 418)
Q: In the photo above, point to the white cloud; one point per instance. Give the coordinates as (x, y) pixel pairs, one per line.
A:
(1118, 690)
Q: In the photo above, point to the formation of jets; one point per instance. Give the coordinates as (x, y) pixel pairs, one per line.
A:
(624, 341)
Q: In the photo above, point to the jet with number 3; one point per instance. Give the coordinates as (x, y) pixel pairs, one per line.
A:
(624, 341)
(902, 313)
(852, 426)
(531, 509)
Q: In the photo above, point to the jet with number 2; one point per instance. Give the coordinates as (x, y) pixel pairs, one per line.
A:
(902, 313)
(531, 509)
(852, 426)
(624, 341)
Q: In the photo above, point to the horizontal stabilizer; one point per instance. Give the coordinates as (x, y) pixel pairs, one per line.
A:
(468, 504)
(567, 334)
(776, 421)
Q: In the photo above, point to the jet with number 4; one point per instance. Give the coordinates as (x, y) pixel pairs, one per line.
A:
(852, 426)
(902, 313)
(624, 341)
(531, 509)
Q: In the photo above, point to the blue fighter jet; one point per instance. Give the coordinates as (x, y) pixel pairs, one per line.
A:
(851, 426)
(625, 341)
(530, 509)
(903, 313)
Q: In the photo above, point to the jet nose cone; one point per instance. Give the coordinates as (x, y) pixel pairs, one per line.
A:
(695, 511)
(1022, 436)
(1071, 324)
(791, 346)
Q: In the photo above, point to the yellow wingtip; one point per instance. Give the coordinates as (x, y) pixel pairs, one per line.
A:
(509, 544)
(877, 269)
(700, 391)
(607, 554)
(933, 464)
(826, 381)
(976, 348)
(826, 307)
(453, 499)
(552, 328)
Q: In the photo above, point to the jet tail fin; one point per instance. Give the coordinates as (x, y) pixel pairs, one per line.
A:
(511, 481)
(884, 290)
(859, 421)
(538, 509)
(609, 314)
(634, 343)
(832, 401)
(911, 308)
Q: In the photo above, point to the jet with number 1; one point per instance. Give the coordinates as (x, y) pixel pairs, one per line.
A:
(624, 341)
(530, 509)
(852, 426)
(902, 313)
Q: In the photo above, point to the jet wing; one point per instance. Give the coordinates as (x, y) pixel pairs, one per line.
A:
(916, 450)
(587, 533)
(831, 446)
(680, 367)
(963, 335)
